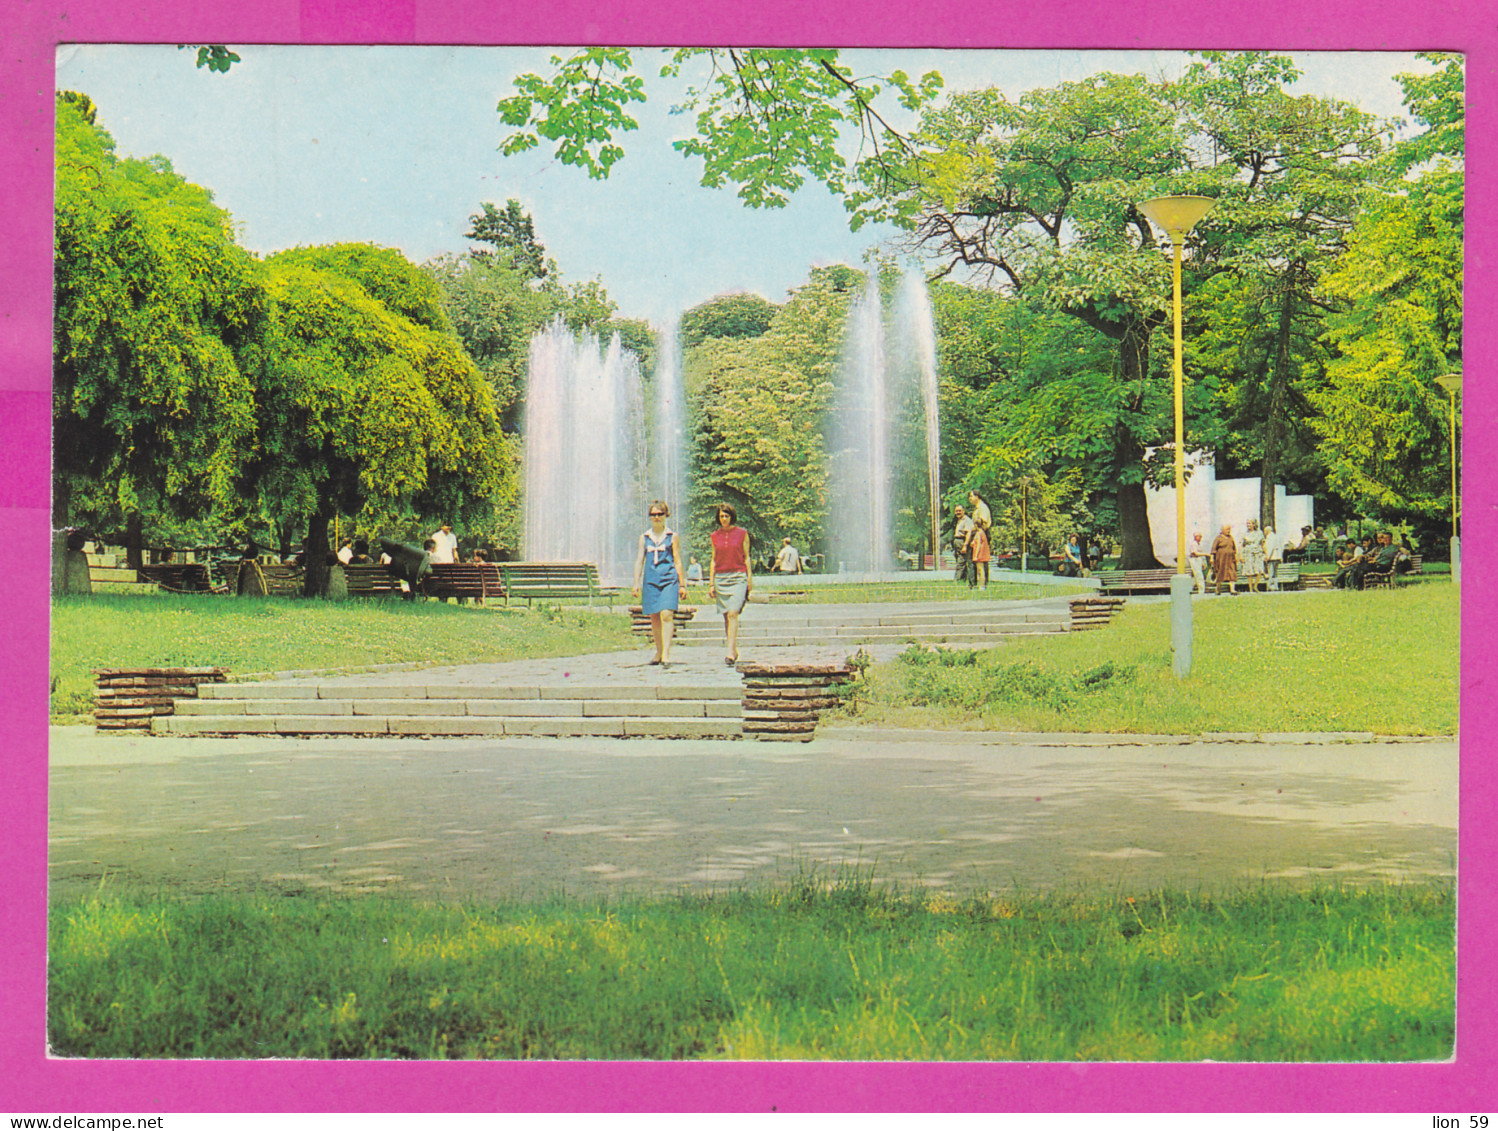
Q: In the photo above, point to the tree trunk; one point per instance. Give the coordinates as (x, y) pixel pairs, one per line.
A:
(134, 541)
(1137, 545)
(315, 552)
(1138, 548)
(1274, 424)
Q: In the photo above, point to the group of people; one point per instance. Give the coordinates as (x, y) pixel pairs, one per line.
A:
(970, 541)
(1374, 555)
(661, 582)
(1255, 559)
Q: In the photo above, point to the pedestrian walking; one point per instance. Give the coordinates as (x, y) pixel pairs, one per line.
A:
(659, 580)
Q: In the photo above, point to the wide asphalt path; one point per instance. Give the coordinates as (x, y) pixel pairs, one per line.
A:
(955, 812)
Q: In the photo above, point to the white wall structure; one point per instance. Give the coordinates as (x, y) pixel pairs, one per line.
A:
(1210, 502)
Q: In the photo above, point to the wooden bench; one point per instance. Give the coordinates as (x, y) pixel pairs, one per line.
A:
(531, 580)
(1376, 579)
(477, 581)
(179, 577)
(257, 580)
(370, 579)
(1287, 576)
(1134, 580)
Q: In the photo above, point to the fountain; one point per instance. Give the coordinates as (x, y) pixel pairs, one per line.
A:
(918, 333)
(874, 410)
(584, 453)
(668, 448)
(859, 453)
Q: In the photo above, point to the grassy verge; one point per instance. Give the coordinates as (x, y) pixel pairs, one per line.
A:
(1385, 662)
(845, 970)
(249, 634)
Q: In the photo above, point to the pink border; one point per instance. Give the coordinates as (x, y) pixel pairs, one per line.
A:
(31, 1083)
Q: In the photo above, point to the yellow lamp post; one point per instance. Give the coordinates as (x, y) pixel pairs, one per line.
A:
(1452, 383)
(1177, 215)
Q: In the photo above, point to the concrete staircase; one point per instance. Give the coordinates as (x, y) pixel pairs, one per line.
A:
(695, 710)
(969, 624)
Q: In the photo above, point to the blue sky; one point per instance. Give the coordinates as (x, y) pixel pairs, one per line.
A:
(399, 146)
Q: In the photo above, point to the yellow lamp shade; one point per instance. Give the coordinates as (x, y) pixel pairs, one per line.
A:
(1452, 382)
(1177, 214)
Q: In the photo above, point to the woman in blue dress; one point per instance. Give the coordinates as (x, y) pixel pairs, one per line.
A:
(659, 580)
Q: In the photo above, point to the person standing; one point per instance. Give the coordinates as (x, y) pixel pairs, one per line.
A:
(1225, 561)
(1071, 558)
(1196, 557)
(730, 578)
(789, 558)
(1274, 552)
(659, 580)
(978, 546)
(1253, 555)
(961, 534)
(446, 541)
(979, 510)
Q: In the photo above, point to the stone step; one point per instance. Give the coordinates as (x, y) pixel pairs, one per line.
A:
(728, 690)
(451, 725)
(892, 635)
(220, 707)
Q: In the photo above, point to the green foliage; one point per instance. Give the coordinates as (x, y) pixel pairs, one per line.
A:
(580, 108)
(155, 307)
(513, 236)
(216, 57)
(365, 410)
(766, 118)
(385, 275)
(1383, 418)
(727, 316)
(758, 406)
(1439, 102)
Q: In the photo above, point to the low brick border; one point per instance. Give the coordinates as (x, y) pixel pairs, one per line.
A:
(1093, 612)
(129, 698)
(639, 623)
(783, 701)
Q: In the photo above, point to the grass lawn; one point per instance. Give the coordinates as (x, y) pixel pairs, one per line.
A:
(1379, 661)
(265, 634)
(844, 970)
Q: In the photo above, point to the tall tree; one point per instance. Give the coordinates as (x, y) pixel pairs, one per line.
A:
(155, 306)
(512, 236)
(363, 409)
(1289, 174)
(1382, 417)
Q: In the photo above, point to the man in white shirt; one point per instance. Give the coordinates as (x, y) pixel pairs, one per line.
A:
(789, 559)
(447, 546)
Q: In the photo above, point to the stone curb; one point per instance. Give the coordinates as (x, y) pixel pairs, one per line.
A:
(1082, 738)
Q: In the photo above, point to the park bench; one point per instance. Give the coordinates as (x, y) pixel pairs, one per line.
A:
(1288, 575)
(370, 579)
(531, 580)
(258, 580)
(179, 577)
(1384, 579)
(1134, 580)
(476, 581)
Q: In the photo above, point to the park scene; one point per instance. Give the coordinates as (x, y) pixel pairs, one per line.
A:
(623, 554)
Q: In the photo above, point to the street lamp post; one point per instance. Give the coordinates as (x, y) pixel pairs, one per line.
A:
(1452, 383)
(1177, 215)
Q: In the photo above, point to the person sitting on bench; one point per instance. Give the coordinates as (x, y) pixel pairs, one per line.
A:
(1381, 561)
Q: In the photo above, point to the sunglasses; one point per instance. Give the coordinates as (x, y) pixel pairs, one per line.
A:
(657, 514)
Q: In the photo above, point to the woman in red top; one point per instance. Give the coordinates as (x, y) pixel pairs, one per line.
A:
(730, 579)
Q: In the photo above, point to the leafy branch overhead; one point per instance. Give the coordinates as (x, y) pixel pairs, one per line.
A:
(766, 119)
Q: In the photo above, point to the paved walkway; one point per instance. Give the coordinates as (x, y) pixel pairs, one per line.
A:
(485, 818)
